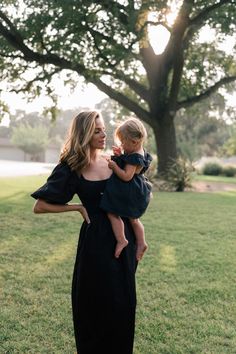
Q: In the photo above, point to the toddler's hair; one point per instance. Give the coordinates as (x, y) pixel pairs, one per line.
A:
(133, 129)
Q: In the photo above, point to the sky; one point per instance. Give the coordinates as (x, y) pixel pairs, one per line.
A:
(84, 95)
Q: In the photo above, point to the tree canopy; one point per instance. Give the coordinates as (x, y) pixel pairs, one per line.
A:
(108, 44)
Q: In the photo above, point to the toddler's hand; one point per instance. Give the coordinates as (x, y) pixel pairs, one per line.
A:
(117, 151)
(111, 164)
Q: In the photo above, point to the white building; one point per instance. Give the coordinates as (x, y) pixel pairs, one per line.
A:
(8, 151)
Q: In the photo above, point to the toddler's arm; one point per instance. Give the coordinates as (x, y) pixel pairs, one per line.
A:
(126, 174)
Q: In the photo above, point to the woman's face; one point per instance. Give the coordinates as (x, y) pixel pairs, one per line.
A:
(98, 140)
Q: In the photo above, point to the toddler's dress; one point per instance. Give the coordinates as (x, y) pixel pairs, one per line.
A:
(128, 199)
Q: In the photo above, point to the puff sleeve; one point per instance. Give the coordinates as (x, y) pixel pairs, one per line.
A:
(60, 186)
(137, 159)
(134, 159)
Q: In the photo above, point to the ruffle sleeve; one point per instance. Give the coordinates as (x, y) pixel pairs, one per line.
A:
(137, 159)
(60, 186)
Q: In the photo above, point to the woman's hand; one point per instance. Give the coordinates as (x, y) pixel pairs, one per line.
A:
(82, 210)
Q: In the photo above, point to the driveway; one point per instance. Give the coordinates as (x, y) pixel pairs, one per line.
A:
(203, 186)
(24, 168)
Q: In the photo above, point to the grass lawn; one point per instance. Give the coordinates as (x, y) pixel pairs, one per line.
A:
(185, 284)
(222, 179)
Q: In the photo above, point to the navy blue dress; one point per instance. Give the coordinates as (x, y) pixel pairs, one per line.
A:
(103, 287)
(128, 199)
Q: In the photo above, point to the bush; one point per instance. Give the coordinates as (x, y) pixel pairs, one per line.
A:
(179, 175)
(229, 171)
(152, 171)
(212, 169)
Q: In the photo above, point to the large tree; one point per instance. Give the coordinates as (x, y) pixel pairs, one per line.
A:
(107, 43)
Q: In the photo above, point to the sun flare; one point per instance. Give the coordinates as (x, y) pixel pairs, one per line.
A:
(172, 13)
(159, 34)
(158, 37)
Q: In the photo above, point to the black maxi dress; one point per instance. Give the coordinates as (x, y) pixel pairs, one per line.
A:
(103, 287)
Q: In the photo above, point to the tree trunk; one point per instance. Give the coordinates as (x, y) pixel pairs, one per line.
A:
(164, 132)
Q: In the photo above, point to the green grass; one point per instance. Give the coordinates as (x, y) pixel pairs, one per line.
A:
(186, 285)
(215, 179)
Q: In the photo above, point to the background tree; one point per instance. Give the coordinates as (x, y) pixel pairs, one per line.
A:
(108, 43)
(229, 148)
(32, 140)
(56, 129)
(4, 132)
(202, 129)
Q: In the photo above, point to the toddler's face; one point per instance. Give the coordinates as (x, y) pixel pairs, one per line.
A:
(128, 145)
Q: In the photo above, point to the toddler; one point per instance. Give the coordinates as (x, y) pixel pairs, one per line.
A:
(127, 193)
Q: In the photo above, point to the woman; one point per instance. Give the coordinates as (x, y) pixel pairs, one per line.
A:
(103, 287)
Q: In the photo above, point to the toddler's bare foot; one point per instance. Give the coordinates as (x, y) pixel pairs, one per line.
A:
(119, 247)
(141, 249)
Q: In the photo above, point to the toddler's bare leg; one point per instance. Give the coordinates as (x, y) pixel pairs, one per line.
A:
(119, 232)
(140, 238)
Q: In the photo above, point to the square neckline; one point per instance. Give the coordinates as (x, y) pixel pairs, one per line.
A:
(96, 180)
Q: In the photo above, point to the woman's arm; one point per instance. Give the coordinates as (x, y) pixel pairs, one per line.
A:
(126, 174)
(41, 207)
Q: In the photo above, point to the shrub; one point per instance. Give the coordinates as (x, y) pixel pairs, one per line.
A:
(229, 171)
(179, 175)
(212, 169)
(152, 171)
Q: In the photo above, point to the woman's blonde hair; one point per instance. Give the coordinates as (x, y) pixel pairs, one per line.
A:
(76, 149)
(131, 129)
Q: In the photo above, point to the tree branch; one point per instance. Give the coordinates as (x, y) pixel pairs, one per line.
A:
(123, 100)
(149, 58)
(11, 56)
(119, 12)
(94, 33)
(47, 76)
(179, 28)
(134, 85)
(174, 52)
(156, 23)
(191, 100)
(203, 15)
(149, 62)
(175, 84)
(11, 26)
(15, 39)
(110, 65)
(198, 21)
(174, 48)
